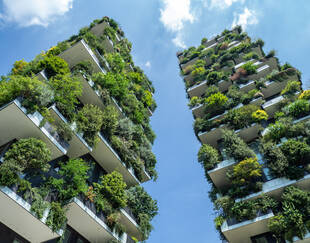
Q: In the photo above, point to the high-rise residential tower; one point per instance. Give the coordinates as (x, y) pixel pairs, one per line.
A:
(251, 117)
(75, 143)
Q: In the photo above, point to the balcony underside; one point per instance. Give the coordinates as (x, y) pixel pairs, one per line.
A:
(15, 214)
(211, 137)
(110, 161)
(98, 29)
(16, 124)
(78, 145)
(78, 53)
(242, 232)
(218, 174)
(132, 228)
(90, 226)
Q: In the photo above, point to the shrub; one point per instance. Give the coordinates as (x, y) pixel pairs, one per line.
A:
(113, 188)
(245, 171)
(115, 61)
(249, 68)
(110, 119)
(27, 154)
(277, 130)
(198, 73)
(305, 95)
(259, 115)
(275, 159)
(216, 100)
(235, 147)
(84, 66)
(241, 117)
(214, 77)
(291, 88)
(54, 65)
(89, 121)
(208, 156)
(8, 176)
(18, 67)
(250, 55)
(72, 181)
(56, 218)
(298, 108)
(296, 152)
(271, 53)
(140, 202)
(194, 101)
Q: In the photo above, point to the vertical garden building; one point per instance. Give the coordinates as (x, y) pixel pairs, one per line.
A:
(252, 119)
(75, 143)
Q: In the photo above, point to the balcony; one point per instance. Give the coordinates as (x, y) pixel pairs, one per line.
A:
(211, 137)
(98, 29)
(108, 159)
(218, 174)
(20, 124)
(42, 76)
(275, 187)
(264, 68)
(81, 52)
(92, 96)
(224, 85)
(249, 133)
(78, 146)
(198, 110)
(83, 217)
(272, 105)
(233, 44)
(246, 87)
(190, 62)
(130, 223)
(198, 89)
(241, 232)
(16, 214)
(240, 59)
(297, 240)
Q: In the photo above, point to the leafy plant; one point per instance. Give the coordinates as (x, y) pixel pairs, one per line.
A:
(249, 68)
(305, 95)
(259, 115)
(298, 108)
(89, 121)
(291, 88)
(208, 156)
(54, 65)
(27, 154)
(56, 218)
(113, 188)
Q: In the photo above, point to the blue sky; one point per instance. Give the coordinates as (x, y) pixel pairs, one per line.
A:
(157, 30)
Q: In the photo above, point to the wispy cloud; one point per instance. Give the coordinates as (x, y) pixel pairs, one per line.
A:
(173, 15)
(247, 17)
(148, 64)
(222, 4)
(34, 12)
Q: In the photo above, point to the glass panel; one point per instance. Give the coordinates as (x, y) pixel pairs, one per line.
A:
(67, 236)
(17, 241)
(79, 240)
(261, 240)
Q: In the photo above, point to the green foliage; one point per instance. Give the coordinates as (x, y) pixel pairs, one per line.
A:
(298, 108)
(116, 83)
(208, 156)
(235, 147)
(8, 176)
(249, 68)
(296, 152)
(89, 121)
(140, 202)
(241, 117)
(110, 121)
(28, 154)
(84, 66)
(18, 67)
(275, 159)
(271, 53)
(72, 181)
(56, 218)
(36, 94)
(214, 77)
(67, 89)
(216, 100)
(250, 55)
(116, 62)
(259, 115)
(113, 188)
(218, 221)
(54, 65)
(277, 130)
(245, 171)
(64, 130)
(305, 95)
(291, 88)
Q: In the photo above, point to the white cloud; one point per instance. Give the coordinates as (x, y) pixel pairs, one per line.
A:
(247, 17)
(173, 16)
(148, 64)
(222, 4)
(34, 12)
(178, 41)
